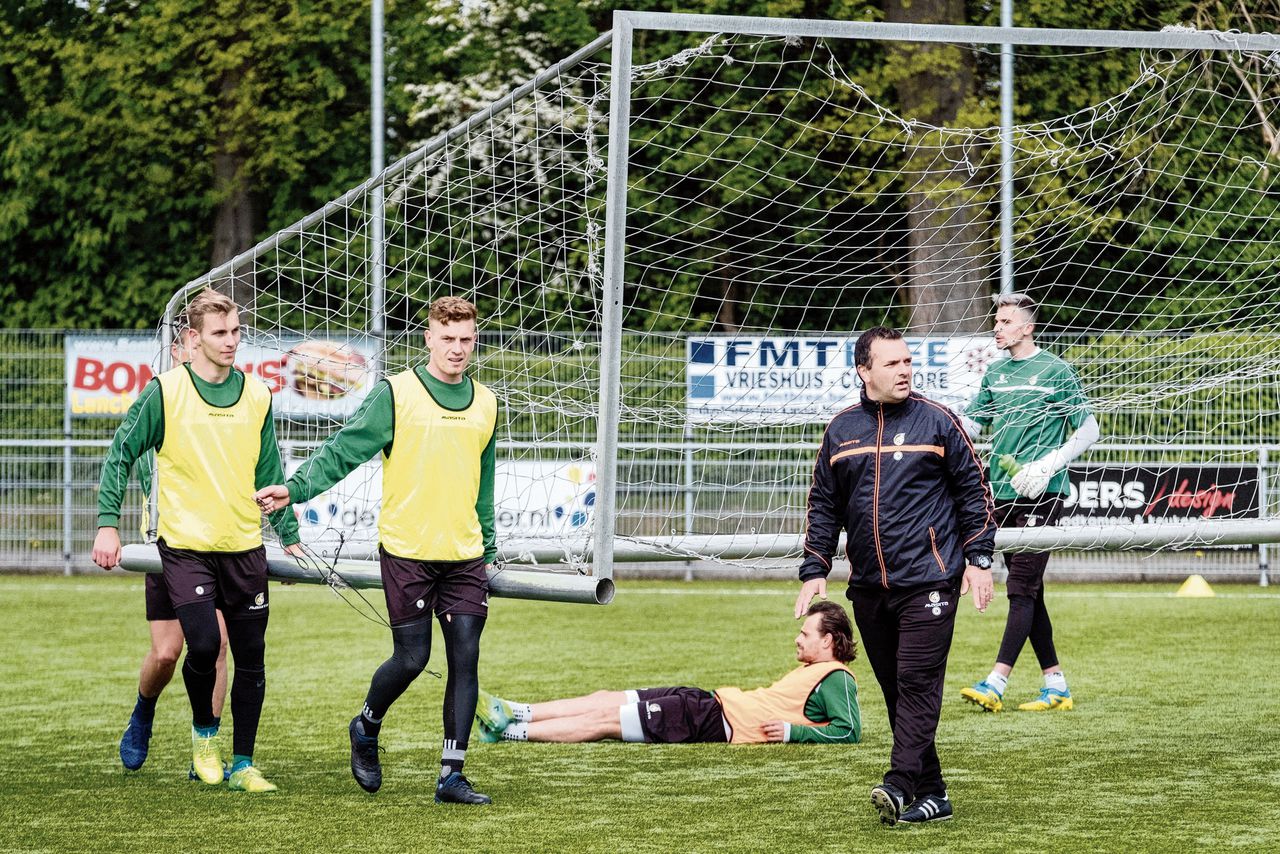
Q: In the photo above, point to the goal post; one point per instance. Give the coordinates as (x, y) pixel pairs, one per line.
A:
(643, 219)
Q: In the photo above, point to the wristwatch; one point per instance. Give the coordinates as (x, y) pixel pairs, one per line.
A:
(980, 561)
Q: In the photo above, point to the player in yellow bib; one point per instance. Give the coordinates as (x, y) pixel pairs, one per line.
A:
(816, 703)
(211, 428)
(162, 658)
(434, 427)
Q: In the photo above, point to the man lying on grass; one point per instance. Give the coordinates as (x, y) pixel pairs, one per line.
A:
(816, 703)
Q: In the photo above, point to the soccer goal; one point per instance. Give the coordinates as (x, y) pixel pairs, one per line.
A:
(674, 235)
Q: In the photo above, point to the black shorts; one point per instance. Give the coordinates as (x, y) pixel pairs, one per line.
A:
(235, 581)
(680, 715)
(159, 607)
(1026, 569)
(416, 588)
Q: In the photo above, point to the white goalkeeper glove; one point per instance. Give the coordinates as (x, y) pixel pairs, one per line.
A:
(1033, 478)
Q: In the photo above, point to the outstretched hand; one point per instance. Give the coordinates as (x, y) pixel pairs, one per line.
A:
(272, 498)
(812, 587)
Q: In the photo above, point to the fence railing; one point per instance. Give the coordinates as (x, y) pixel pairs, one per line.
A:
(48, 498)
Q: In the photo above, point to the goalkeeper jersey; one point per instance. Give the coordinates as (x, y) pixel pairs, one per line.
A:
(1029, 407)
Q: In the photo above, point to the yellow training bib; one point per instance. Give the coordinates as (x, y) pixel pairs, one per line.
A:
(431, 480)
(207, 466)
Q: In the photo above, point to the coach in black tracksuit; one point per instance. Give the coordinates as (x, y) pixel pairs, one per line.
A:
(898, 473)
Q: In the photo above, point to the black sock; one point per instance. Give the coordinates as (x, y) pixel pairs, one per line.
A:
(366, 725)
(145, 708)
(449, 766)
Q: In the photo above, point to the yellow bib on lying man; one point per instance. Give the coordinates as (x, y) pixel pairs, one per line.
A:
(431, 480)
(207, 465)
(784, 700)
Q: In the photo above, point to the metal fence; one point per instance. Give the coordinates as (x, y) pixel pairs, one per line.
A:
(49, 468)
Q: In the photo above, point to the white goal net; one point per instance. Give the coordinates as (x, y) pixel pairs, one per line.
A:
(784, 193)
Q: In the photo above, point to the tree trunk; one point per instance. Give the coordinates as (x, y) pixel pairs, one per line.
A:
(236, 215)
(948, 230)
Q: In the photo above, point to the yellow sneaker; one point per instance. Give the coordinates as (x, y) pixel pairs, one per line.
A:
(206, 759)
(250, 779)
(982, 694)
(1050, 698)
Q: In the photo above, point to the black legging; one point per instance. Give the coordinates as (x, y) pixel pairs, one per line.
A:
(411, 649)
(247, 639)
(1028, 619)
(462, 649)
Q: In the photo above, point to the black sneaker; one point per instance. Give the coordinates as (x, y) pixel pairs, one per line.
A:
(456, 789)
(927, 808)
(365, 766)
(888, 800)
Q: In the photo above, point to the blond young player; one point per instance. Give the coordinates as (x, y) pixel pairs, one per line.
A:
(166, 637)
(211, 428)
(434, 427)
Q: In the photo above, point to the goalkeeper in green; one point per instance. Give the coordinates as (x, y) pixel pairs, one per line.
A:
(816, 702)
(1039, 421)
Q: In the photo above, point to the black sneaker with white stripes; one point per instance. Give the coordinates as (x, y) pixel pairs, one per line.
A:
(888, 800)
(927, 808)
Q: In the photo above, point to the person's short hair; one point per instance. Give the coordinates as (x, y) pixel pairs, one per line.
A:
(835, 622)
(1021, 301)
(451, 310)
(205, 303)
(862, 348)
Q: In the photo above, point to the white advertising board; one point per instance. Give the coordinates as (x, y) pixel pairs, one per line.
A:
(802, 379)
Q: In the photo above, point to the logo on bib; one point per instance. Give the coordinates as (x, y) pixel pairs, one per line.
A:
(200, 590)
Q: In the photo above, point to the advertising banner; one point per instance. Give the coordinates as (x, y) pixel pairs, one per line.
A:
(307, 377)
(804, 379)
(1146, 494)
(532, 498)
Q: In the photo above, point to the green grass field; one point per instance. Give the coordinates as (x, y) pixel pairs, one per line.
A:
(1170, 747)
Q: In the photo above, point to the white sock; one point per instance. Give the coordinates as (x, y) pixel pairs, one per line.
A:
(522, 712)
(1056, 681)
(516, 732)
(998, 681)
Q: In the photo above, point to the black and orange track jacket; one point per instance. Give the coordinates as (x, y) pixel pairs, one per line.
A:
(905, 482)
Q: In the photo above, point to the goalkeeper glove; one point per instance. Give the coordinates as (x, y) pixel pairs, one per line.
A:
(1032, 479)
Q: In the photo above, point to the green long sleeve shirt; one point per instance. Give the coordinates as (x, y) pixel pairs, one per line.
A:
(835, 701)
(371, 431)
(143, 430)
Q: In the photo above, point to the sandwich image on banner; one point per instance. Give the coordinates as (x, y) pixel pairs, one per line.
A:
(324, 370)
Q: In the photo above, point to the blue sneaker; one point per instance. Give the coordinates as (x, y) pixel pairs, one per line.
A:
(927, 808)
(889, 801)
(365, 766)
(984, 695)
(456, 789)
(135, 743)
(1049, 699)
